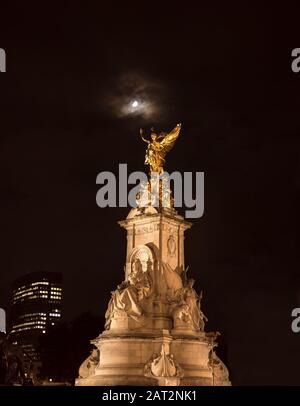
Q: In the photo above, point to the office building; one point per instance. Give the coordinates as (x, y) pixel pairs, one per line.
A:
(36, 301)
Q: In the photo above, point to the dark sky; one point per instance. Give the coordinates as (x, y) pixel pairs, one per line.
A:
(224, 72)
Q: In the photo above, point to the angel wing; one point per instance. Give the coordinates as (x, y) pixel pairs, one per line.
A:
(169, 139)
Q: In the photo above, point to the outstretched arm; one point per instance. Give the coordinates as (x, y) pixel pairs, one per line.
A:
(142, 135)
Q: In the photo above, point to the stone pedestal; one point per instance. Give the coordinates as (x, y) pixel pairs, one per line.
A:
(124, 358)
(154, 332)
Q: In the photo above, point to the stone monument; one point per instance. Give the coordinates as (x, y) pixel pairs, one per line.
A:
(154, 331)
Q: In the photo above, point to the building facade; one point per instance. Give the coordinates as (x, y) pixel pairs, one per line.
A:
(36, 302)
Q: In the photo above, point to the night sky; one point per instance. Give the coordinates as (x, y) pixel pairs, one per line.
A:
(224, 72)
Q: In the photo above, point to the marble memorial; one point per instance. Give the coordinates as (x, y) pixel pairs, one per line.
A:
(155, 328)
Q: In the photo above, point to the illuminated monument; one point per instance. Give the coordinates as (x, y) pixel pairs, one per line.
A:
(154, 332)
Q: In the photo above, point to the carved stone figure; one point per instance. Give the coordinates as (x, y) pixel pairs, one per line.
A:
(187, 309)
(127, 298)
(181, 316)
(88, 366)
(220, 374)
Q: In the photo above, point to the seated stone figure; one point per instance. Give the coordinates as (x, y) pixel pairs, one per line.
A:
(127, 299)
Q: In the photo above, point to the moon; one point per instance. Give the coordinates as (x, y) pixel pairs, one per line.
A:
(135, 96)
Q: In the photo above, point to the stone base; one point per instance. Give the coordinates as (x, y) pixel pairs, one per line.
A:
(115, 380)
(124, 356)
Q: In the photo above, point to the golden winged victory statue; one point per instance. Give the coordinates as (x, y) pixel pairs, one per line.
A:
(158, 146)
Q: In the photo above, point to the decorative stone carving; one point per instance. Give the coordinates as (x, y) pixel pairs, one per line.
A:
(143, 197)
(163, 365)
(220, 374)
(169, 229)
(141, 211)
(173, 281)
(171, 244)
(186, 309)
(182, 317)
(147, 229)
(89, 366)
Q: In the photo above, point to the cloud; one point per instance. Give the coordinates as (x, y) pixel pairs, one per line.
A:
(133, 86)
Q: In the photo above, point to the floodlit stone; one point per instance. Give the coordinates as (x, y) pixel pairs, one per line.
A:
(154, 324)
(154, 330)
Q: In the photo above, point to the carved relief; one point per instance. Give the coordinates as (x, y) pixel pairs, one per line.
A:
(169, 228)
(186, 308)
(147, 229)
(163, 364)
(171, 245)
(219, 371)
(88, 366)
(181, 316)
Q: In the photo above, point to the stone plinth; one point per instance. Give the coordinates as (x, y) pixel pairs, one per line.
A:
(124, 357)
(154, 331)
